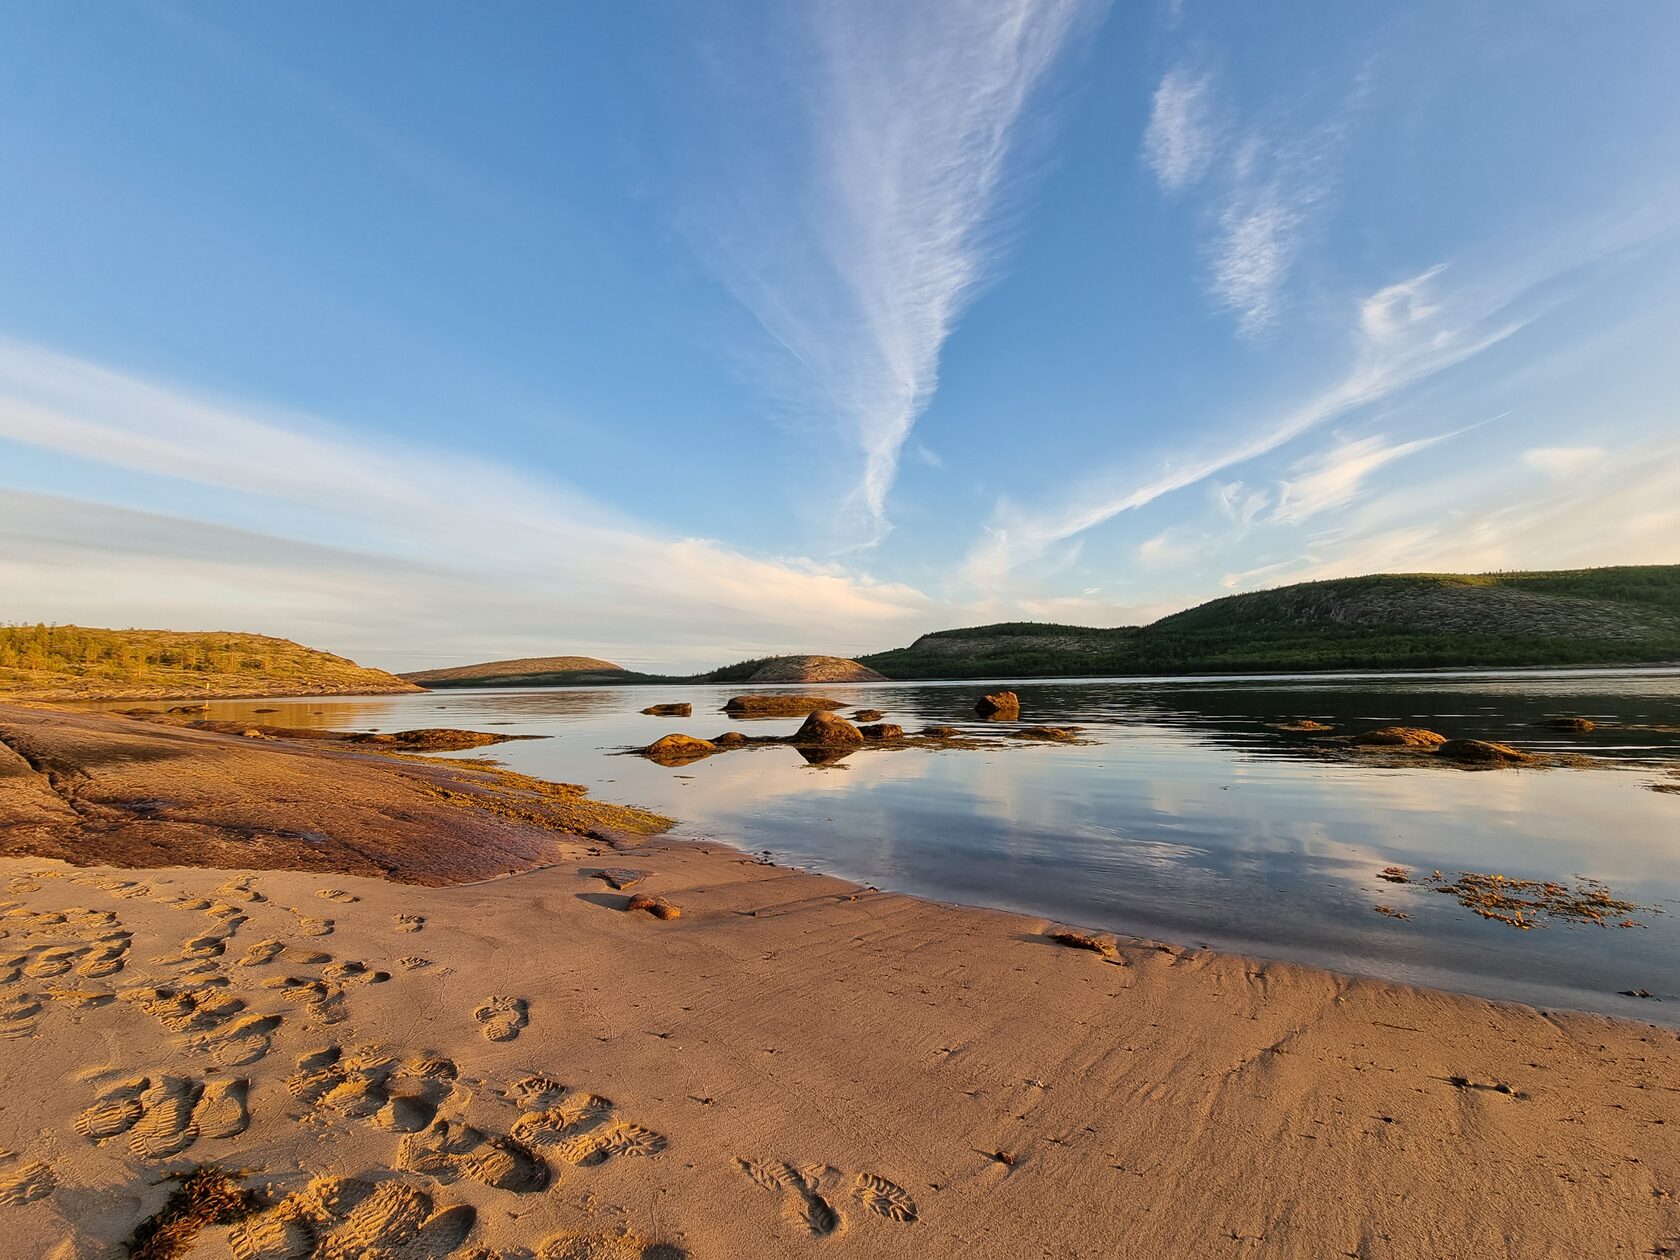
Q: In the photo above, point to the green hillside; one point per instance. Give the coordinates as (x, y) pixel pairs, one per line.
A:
(43, 662)
(1627, 615)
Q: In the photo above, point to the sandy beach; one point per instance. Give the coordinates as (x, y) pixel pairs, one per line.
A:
(413, 1007)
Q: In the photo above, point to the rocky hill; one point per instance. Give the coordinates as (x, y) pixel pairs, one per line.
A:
(1625, 615)
(525, 671)
(790, 669)
(43, 662)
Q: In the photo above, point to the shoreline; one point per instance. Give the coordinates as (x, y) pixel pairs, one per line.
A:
(821, 1068)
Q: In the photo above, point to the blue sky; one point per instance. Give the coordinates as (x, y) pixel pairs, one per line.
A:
(680, 334)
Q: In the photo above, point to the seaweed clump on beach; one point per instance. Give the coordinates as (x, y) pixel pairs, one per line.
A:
(1529, 903)
(205, 1196)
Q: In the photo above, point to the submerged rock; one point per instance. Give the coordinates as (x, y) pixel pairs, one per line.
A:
(1580, 725)
(1400, 737)
(882, 730)
(1484, 752)
(1059, 734)
(1304, 724)
(868, 715)
(731, 739)
(674, 749)
(1001, 705)
(940, 732)
(778, 705)
(669, 710)
(426, 739)
(827, 730)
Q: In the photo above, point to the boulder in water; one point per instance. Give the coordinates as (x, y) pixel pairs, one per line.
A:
(777, 705)
(882, 730)
(1579, 725)
(826, 730)
(676, 749)
(1000, 706)
(669, 710)
(1400, 737)
(1483, 752)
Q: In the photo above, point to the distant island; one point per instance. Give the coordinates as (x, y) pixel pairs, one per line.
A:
(583, 671)
(43, 662)
(517, 672)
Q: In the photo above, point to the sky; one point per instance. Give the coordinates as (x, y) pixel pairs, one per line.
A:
(682, 334)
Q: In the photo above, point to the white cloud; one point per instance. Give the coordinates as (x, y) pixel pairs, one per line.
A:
(488, 557)
(1171, 548)
(861, 244)
(1563, 461)
(1180, 140)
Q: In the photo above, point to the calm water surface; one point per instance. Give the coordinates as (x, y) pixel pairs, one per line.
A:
(1191, 819)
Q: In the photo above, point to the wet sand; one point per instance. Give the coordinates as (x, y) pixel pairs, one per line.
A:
(794, 1066)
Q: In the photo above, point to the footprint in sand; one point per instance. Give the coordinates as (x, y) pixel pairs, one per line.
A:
(222, 1112)
(241, 890)
(260, 954)
(344, 1218)
(369, 1084)
(17, 1015)
(809, 1194)
(501, 1018)
(185, 1010)
(242, 1042)
(354, 973)
(580, 1128)
(322, 1003)
(308, 926)
(165, 1126)
(449, 1151)
(107, 956)
(80, 999)
(410, 922)
(626, 1246)
(338, 895)
(27, 1182)
(413, 962)
(114, 1111)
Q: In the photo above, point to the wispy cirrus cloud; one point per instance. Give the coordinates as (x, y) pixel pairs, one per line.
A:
(488, 559)
(1525, 518)
(1180, 141)
(1402, 334)
(1330, 479)
(1263, 186)
(862, 244)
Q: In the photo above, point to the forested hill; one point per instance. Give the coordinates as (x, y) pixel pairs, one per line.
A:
(1624, 615)
(81, 663)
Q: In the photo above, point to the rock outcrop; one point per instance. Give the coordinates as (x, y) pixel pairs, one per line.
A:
(669, 710)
